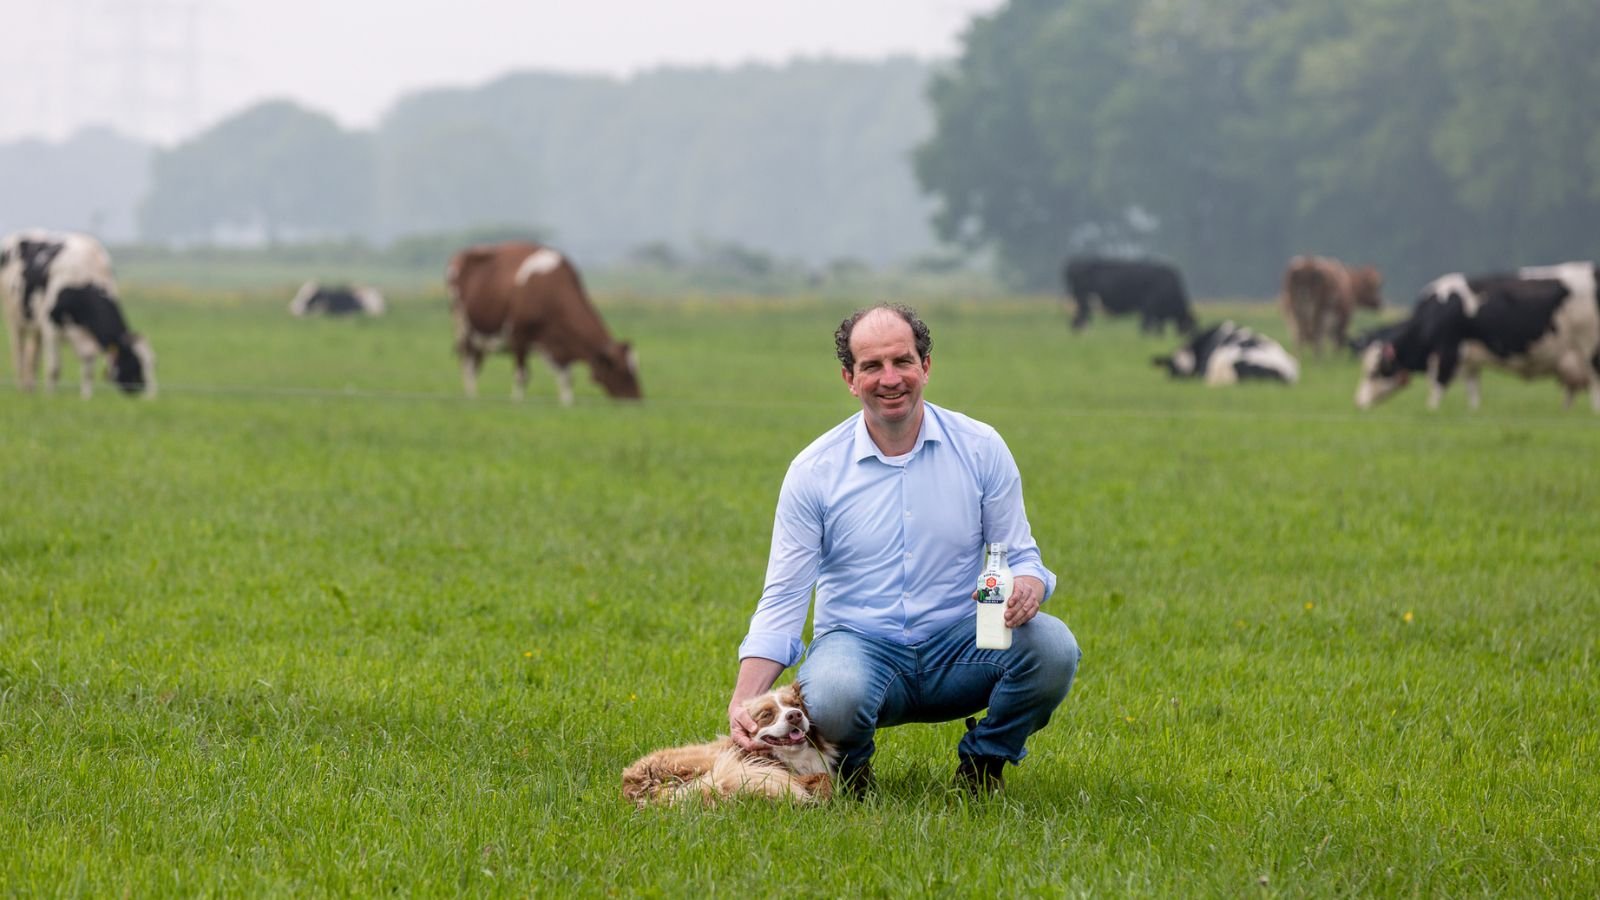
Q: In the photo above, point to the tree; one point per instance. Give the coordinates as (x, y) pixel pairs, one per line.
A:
(1007, 172)
(1424, 137)
(275, 167)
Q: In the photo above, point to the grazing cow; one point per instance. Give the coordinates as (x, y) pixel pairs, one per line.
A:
(1151, 289)
(336, 300)
(1228, 354)
(59, 287)
(1539, 321)
(1321, 294)
(521, 297)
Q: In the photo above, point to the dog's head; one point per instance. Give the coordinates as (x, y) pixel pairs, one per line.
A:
(781, 719)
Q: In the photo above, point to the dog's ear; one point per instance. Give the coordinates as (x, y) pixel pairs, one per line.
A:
(791, 695)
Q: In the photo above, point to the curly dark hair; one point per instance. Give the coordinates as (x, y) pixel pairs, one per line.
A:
(919, 332)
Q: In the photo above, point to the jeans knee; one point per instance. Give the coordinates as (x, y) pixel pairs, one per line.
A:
(839, 704)
(1056, 652)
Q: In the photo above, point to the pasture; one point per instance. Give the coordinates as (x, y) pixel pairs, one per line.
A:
(311, 623)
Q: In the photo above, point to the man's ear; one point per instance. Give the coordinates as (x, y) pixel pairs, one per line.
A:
(849, 380)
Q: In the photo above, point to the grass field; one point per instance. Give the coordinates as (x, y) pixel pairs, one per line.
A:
(310, 623)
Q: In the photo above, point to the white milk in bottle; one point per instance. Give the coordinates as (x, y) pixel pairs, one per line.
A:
(994, 589)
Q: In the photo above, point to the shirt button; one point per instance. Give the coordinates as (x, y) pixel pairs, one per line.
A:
(908, 513)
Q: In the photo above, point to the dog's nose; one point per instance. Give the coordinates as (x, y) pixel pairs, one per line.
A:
(793, 717)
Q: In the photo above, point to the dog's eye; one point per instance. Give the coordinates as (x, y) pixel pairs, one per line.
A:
(763, 717)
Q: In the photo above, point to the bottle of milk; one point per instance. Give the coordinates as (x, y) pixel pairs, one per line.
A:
(994, 589)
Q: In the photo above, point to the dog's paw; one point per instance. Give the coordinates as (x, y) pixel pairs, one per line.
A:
(818, 788)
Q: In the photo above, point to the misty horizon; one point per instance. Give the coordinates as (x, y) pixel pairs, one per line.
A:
(162, 71)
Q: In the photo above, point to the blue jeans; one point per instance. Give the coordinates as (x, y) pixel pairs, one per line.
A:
(856, 684)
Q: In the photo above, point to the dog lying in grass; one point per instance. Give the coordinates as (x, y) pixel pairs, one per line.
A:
(798, 762)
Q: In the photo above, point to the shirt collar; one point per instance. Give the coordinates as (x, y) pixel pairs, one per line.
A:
(864, 448)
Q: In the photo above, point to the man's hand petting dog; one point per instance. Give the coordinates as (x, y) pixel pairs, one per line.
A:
(787, 758)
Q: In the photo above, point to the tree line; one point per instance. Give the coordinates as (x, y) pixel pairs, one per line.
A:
(807, 161)
(1228, 135)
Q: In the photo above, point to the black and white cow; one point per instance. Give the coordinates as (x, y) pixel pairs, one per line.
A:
(1153, 290)
(58, 286)
(336, 300)
(1228, 354)
(1539, 321)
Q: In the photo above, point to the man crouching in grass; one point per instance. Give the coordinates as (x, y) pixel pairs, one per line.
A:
(886, 516)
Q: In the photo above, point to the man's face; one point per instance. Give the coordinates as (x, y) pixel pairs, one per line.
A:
(888, 375)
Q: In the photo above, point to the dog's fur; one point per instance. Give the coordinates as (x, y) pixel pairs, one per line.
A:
(798, 763)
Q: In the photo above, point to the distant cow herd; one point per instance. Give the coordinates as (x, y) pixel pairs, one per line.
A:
(526, 299)
(1537, 322)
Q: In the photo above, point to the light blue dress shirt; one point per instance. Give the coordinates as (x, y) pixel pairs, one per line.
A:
(893, 545)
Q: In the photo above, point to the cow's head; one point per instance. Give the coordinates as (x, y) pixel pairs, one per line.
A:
(1436, 322)
(131, 365)
(1366, 288)
(1181, 364)
(1381, 374)
(616, 369)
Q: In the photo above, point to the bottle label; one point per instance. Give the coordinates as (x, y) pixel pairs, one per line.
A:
(989, 592)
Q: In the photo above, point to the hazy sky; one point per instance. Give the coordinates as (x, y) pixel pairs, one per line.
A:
(162, 69)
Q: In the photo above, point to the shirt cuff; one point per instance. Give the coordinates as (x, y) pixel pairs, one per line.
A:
(1041, 573)
(773, 645)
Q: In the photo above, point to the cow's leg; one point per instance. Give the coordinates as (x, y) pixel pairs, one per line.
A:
(1309, 335)
(22, 357)
(50, 345)
(519, 381)
(1574, 375)
(564, 384)
(15, 334)
(1474, 394)
(471, 362)
(86, 378)
(1081, 319)
(563, 373)
(1593, 379)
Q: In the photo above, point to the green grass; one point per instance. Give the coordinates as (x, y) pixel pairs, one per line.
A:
(310, 623)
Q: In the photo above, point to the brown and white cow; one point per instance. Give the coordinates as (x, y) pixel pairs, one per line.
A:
(522, 297)
(1321, 294)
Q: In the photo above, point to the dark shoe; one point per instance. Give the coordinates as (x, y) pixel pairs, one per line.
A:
(981, 775)
(858, 782)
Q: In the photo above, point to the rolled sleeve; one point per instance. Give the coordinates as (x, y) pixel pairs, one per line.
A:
(777, 646)
(1006, 517)
(792, 570)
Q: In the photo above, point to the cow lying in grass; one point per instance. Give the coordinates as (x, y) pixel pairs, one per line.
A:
(1228, 354)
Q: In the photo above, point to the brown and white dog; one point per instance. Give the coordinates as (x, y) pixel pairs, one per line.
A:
(798, 763)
